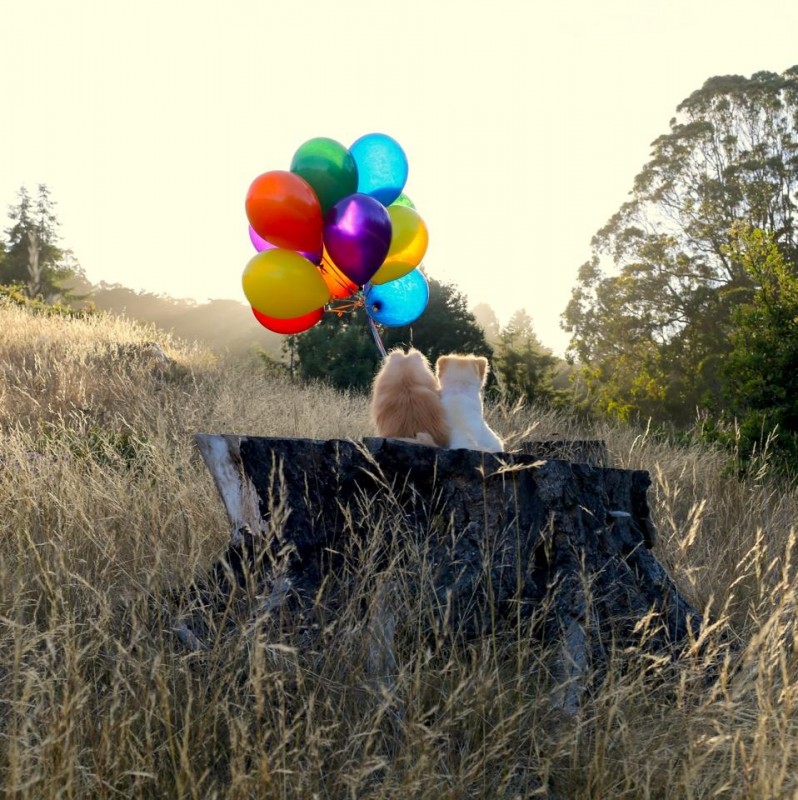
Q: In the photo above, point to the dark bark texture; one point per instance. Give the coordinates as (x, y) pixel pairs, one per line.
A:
(484, 541)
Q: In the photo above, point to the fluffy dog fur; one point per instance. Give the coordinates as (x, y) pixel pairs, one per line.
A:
(461, 381)
(405, 401)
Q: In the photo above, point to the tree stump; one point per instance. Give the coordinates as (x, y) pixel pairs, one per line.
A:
(488, 540)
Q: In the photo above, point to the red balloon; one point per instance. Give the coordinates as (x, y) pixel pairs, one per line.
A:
(295, 325)
(284, 210)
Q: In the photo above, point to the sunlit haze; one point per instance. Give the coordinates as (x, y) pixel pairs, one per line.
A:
(524, 124)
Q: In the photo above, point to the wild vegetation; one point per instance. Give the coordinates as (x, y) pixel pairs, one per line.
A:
(108, 510)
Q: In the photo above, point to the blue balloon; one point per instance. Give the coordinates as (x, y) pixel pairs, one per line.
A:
(381, 167)
(398, 302)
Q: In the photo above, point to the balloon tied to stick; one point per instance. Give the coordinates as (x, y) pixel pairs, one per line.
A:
(336, 233)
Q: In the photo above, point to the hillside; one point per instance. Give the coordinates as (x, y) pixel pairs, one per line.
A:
(223, 326)
(108, 508)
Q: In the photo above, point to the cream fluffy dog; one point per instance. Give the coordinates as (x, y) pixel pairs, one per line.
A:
(405, 401)
(461, 380)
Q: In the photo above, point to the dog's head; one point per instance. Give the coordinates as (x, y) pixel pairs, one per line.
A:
(411, 366)
(462, 369)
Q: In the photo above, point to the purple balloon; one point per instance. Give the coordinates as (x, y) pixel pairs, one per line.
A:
(357, 235)
(260, 244)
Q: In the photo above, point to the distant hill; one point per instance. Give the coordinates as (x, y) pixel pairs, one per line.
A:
(223, 326)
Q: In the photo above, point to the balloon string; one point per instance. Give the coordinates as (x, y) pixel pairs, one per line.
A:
(340, 306)
(351, 304)
(333, 273)
(377, 340)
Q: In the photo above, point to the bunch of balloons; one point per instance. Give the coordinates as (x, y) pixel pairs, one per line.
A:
(335, 225)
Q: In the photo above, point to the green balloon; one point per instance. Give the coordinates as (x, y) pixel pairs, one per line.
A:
(403, 200)
(329, 169)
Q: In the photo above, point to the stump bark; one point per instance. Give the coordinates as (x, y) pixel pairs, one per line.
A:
(484, 540)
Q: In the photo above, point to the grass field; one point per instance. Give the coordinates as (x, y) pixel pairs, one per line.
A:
(107, 508)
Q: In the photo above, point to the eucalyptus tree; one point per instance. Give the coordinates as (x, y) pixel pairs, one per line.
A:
(651, 313)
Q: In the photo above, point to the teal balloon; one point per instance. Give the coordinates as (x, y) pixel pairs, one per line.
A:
(398, 302)
(328, 167)
(381, 166)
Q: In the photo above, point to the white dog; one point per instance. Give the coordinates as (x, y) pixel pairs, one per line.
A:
(462, 379)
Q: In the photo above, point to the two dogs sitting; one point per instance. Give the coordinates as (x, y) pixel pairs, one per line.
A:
(443, 408)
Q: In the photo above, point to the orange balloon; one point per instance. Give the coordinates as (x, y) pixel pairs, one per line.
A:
(339, 285)
(284, 210)
(296, 325)
(409, 236)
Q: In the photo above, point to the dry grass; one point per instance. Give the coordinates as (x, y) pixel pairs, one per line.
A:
(107, 507)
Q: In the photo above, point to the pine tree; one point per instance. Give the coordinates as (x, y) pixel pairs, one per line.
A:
(33, 258)
(524, 367)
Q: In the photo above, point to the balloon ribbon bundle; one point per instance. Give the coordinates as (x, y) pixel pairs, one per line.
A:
(357, 301)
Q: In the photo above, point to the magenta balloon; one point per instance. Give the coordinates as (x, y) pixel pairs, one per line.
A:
(260, 244)
(357, 235)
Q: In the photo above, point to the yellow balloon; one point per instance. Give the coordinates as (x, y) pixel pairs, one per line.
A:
(390, 272)
(283, 284)
(409, 236)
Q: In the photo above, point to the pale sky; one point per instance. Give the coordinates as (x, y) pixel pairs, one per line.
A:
(524, 123)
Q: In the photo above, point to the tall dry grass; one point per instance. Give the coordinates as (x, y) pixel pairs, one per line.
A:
(107, 509)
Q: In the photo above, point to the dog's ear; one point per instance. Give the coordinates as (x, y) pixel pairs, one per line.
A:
(481, 364)
(441, 364)
(417, 355)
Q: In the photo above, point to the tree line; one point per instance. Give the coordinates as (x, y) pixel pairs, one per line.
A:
(341, 350)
